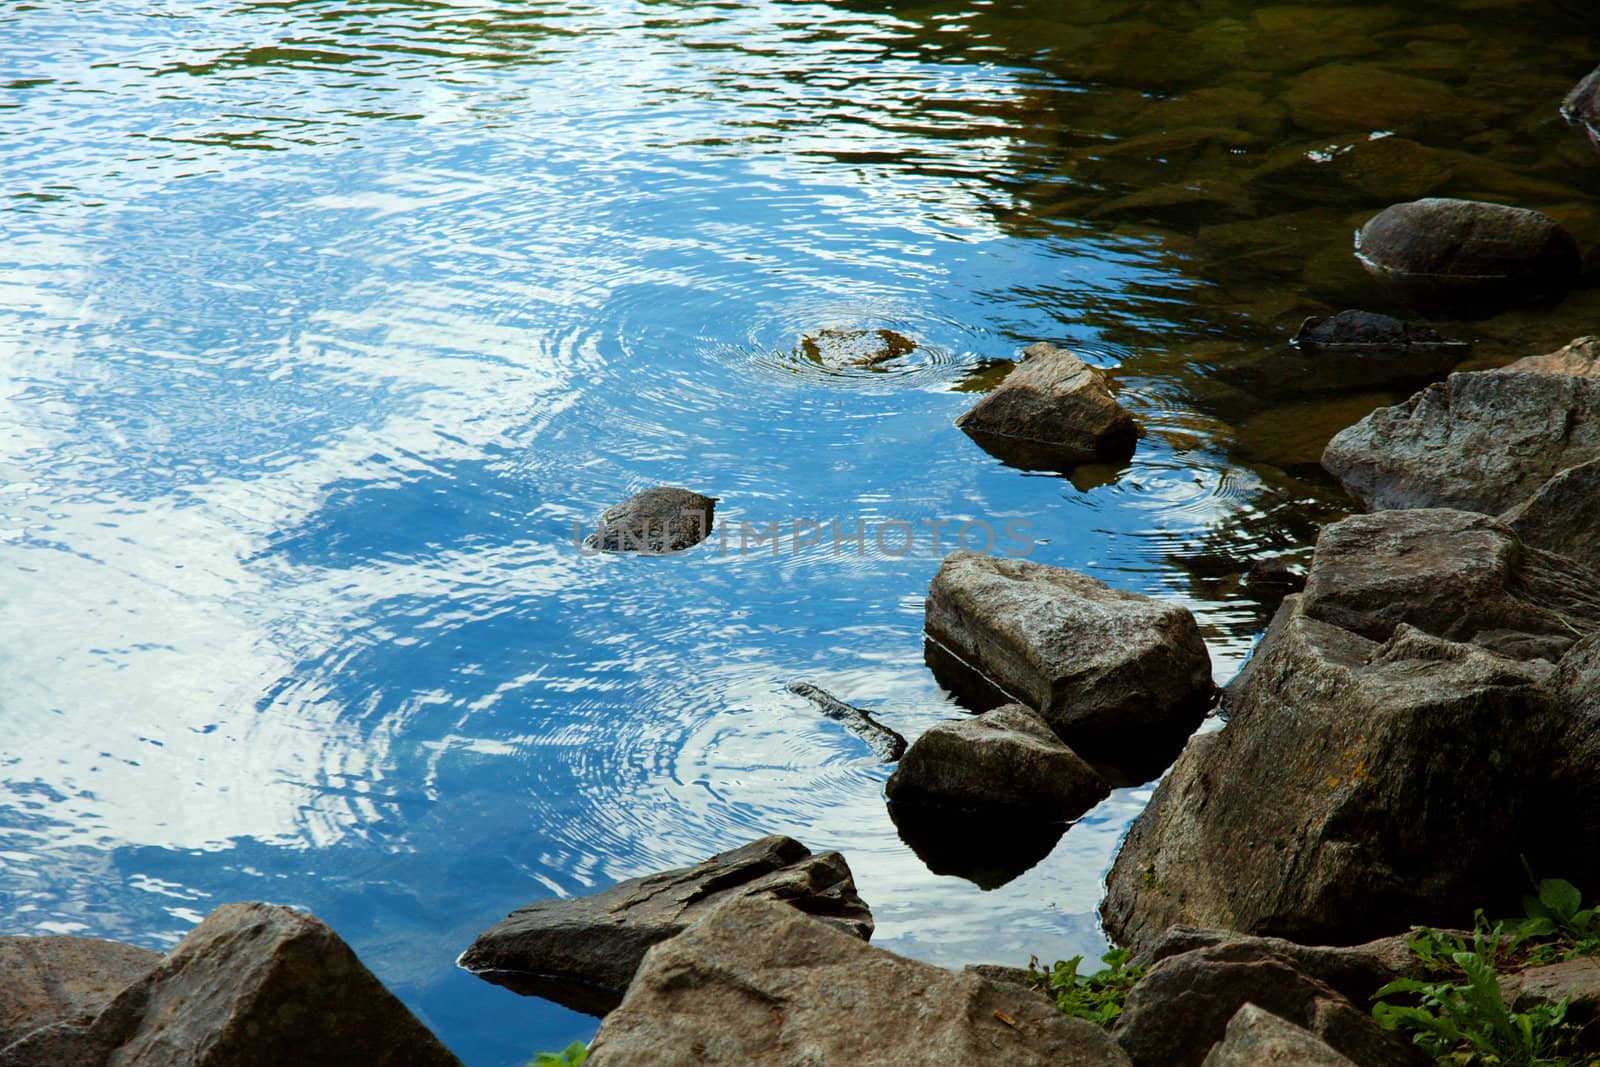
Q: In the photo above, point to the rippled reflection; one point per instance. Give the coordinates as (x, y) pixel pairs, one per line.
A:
(323, 325)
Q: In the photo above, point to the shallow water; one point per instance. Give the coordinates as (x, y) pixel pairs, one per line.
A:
(323, 325)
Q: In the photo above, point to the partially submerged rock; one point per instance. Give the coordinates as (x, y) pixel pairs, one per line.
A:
(1581, 108)
(1053, 411)
(1117, 675)
(253, 985)
(756, 984)
(655, 522)
(1006, 762)
(1184, 1004)
(884, 742)
(62, 980)
(1468, 256)
(583, 951)
(838, 349)
(1257, 1038)
(1482, 441)
(1354, 350)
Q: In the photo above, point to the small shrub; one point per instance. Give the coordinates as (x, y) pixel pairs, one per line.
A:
(571, 1056)
(1097, 997)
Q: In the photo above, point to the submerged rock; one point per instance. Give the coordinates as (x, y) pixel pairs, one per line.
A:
(759, 985)
(840, 349)
(1256, 1037)
(655, 522)
(1468, 256)
(1581, 108)
(1353, 350)
(1484, 441)
(1006, 762)
(47, 981)
(1115, 674)
(582, 952)
(1183, 1006)
(888, 745)
(252, 985)
(1053, 411)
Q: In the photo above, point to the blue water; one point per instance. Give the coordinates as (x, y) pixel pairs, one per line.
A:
(323, 325)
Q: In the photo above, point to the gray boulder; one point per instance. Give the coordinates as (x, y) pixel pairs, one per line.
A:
(656, 522)
(1257, 1038)
(582, 952)
(1007, 761)
(1118, 676)
(756, 984)
(1581, 108)
(1052, 411)
(1482, 441)
(254, 985)
(62, 980)
(1467, 256)
(1183, 1005)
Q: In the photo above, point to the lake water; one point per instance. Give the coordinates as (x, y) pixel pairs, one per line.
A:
(323, 324)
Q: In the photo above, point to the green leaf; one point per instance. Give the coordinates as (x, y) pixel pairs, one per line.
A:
(1561, 897)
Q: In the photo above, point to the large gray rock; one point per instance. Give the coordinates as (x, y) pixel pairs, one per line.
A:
(1581, 108)
(1182, 1007)
(1007, 762)
(254, 985)
(1113, 673)
(1358, 788)
(756, 984)
(1058, 409)
(1482, 441)
(1468, 256)
(582, 952)
(1257, 1038)
(54, 980)
(656, 522)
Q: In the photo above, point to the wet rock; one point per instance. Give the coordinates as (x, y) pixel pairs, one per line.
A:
(1284, 823)
(1007, 762)
(1575, 981)
(1468, 257)
(54, 980)
(756, 984)
(1058, 407)
(582, 952)
(1484, 441)
(253, 985)
(1183, 1005)
(1361, 98)
(1355, 350)
(884, 742)
(987, 851)
(840, 349)
(1181, 206)
(1355, 171)
(1581, 108)
(1113, 673)
(655, 522)
(1257, 1038)
(1560, 517)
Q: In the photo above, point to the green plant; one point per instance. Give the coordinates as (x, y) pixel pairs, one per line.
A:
(1557, 918)
(571, 1056)
(1097, 997)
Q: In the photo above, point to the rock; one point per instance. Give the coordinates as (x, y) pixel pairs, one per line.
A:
(1354, 971)
(1115, 674)
(1579, 358)
(1273, 577)
(656, 522)
(1287, 822)
(1467, 256)
(582, 952)
(759, 985)
(1581, 108)
(50, 980)
(986, 851)
(1559, 518)
(840, 349)
(1354, 350)
(1575, 981)
(888, 745)
(1567, 840)
(1362, 98)
(1058, 408)
(1454, 574)
(1183, 1005)
(254, 985)
(1006, 762)
(1257, 1038)
(1482, 441)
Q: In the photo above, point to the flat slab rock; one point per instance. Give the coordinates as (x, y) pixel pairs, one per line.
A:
(51, 980)
(757, 984)
(1110, 671)
(1060, 405)
(582, 952)
(253, 985)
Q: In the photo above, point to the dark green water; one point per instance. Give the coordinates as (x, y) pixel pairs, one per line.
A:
(323, 323)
